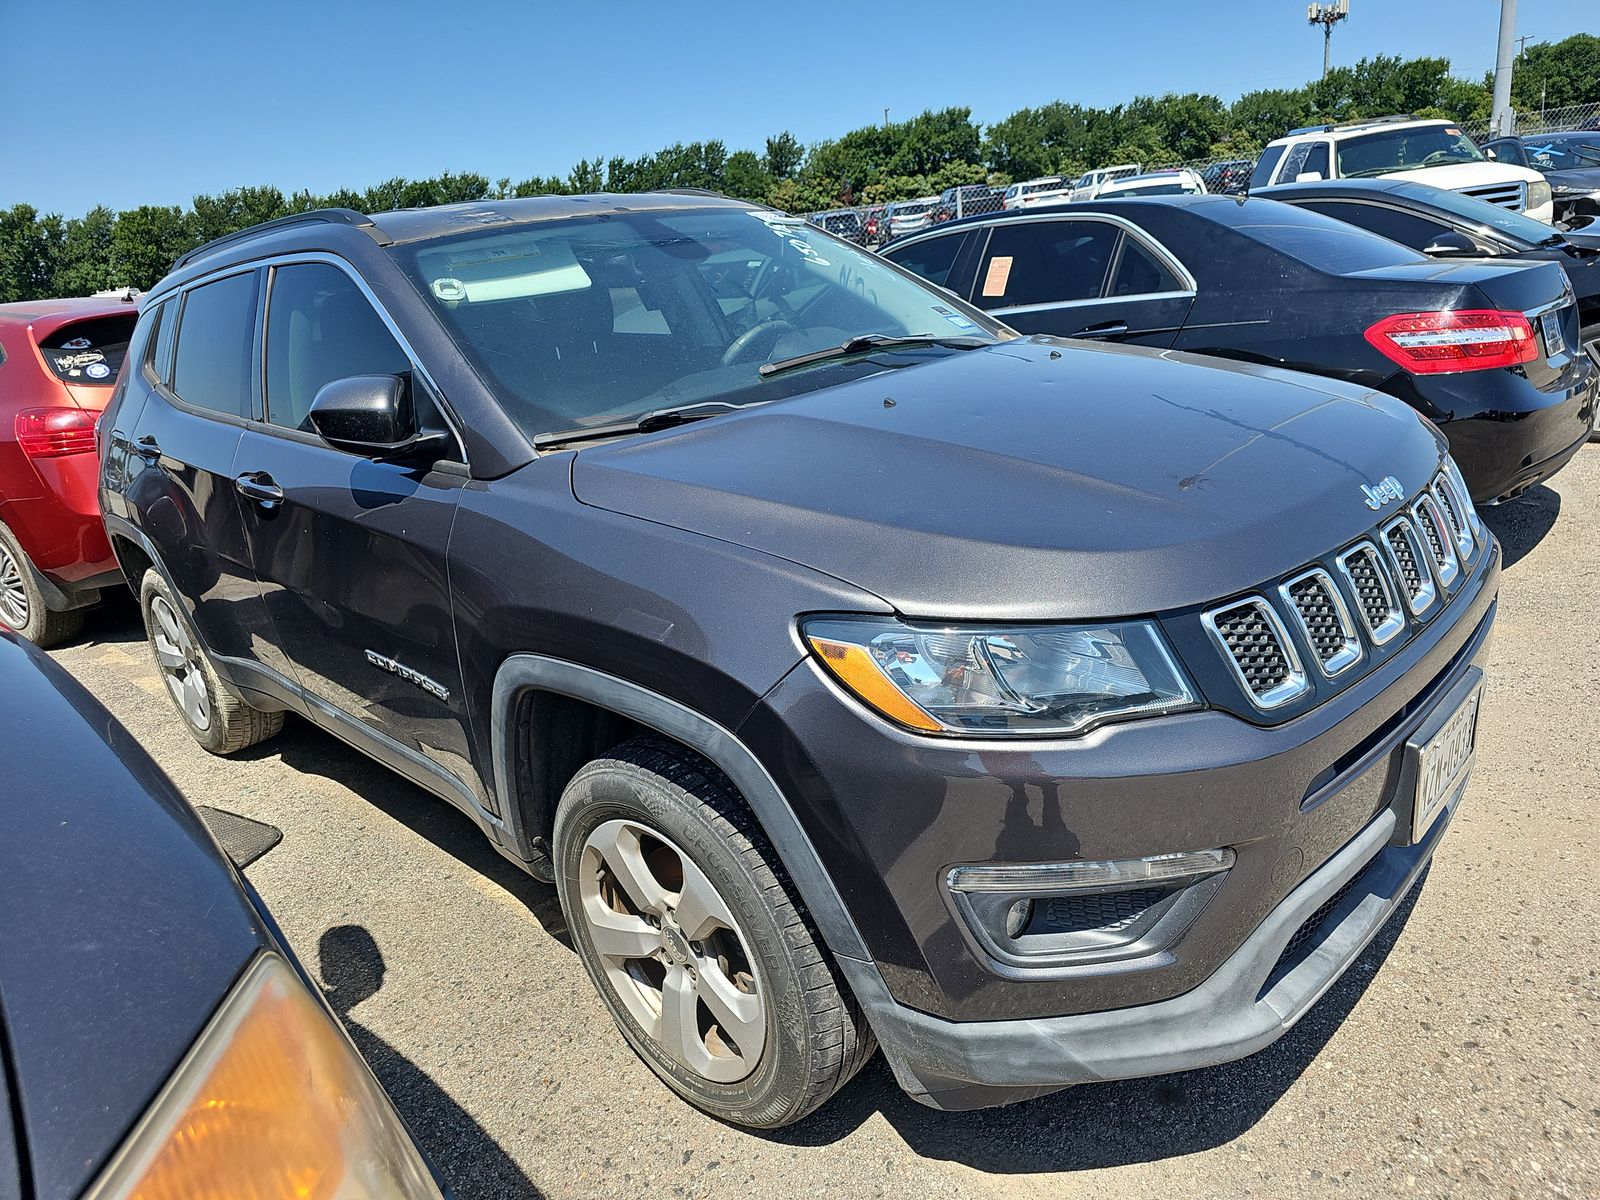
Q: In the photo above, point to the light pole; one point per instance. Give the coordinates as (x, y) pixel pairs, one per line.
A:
(1504, 120)
(1327, 15)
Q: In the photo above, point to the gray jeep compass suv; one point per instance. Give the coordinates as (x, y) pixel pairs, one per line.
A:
(860, 672)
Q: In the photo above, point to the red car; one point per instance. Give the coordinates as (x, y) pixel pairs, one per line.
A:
(58, 362)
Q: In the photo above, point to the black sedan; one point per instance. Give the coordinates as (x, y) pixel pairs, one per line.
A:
(1488, 351)
(1444, 224)
(1570, 161)
(158, 1038)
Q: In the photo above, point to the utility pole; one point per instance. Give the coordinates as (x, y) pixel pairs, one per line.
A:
(1503, 123)
(1327, 15)
(886, 118)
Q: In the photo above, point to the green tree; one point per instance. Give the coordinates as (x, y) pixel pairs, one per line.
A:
(29, 248)
(745, 177)
(84, 266)
(233, 210)
(1557, 74)
(146, 241)
(1261, 116)
(783, 156)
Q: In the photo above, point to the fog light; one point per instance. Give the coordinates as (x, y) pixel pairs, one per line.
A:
(1017, 917)
(1041, 879)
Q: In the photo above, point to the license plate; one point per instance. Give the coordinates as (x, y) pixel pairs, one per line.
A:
(1444, 763)
(1554, 342)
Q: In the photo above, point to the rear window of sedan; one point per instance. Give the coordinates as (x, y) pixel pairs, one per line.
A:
(1320, 242)
(90, 351)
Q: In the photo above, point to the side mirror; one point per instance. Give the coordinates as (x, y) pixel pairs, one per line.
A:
(1309, 177)
(1491, 154)
(372, 415)
(1450, 243)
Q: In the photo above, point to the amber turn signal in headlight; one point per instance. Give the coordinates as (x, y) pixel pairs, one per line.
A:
(272, 1103)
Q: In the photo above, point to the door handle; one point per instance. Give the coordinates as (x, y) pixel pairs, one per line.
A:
(1106, 329)
(147, 448)
(259, 487)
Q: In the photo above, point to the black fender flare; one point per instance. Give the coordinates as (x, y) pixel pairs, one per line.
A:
(522, 673)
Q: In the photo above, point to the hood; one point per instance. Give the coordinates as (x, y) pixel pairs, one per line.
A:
(1036, 479)
(1584, 179)
(1455, 176)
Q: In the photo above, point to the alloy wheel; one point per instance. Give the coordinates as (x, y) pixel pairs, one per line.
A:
(13, 590)
(178, 656)
(672, 951)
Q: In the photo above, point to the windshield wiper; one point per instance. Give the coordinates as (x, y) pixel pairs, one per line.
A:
(870, 341)
(656, 418)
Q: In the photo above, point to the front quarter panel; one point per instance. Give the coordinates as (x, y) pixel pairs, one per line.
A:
(694, 619)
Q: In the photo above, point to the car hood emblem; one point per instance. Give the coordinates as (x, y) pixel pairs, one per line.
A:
(1385, 490)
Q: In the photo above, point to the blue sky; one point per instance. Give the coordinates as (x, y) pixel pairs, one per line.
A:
(124, 103)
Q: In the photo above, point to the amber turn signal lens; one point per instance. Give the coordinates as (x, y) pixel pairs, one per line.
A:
(855, 668)
(272, 1103)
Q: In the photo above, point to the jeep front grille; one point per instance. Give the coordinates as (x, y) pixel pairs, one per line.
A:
(1453, 507)
(1320, 610)
(1440, 538)
(1376, 601)
(1257, 646)
(1506, 195)
(1405, 554)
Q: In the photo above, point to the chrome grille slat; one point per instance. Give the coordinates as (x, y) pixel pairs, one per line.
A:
(1376, 599)
(1257, 646)
(1320, 610)
(1505, 195)
(1440, 540)
(1454, 505)
(1401, 540)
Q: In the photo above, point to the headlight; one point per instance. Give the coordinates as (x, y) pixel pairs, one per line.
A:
(271, 1101)
(1002, 680)
(1538, 194)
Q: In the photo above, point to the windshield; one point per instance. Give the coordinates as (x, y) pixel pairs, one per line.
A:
(1564, 153)
(583, 322)
(1480, 212)
(1405, 150)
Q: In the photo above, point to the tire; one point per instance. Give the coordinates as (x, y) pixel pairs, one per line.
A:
(22, 605)
(797, 1034)
(216, 718)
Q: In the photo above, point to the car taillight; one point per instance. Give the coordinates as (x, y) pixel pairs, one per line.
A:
(53, 432)
(1432, 343)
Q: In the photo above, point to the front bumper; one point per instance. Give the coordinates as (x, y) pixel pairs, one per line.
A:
(1294, 956)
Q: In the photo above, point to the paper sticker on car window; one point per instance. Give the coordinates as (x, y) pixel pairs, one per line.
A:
(955, 319)
(994, 283)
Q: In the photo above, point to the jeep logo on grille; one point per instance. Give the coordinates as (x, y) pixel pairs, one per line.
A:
(1386, 489)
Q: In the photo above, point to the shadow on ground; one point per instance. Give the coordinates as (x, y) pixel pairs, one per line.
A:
(1522, 523)
(352, 970)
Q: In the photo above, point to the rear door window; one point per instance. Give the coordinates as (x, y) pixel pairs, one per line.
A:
(1316, 160)
(1045, 262)
(1294, 162)
(216, 346)
(1141, 273)
(90, 352)
(933, 258)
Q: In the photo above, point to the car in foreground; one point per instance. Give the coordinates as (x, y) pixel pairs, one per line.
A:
(58, 360)
(1091, 183)
(1445, 224)
(160, 1039)
(1437, 153)
(1177, 182)
(1489, 351)
(1049, 189)
(860, 671)
(1570, 163)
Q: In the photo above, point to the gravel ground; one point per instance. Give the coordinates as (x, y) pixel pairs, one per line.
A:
(1459, 1057)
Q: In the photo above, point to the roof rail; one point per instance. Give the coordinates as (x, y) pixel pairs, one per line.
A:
(1308, 129)
(690, 192)
(331, 216)
(1359, 124)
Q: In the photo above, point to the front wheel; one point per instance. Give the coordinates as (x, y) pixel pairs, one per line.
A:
(685, 921)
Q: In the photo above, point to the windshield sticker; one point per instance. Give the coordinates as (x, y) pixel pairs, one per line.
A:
(97, 370)
(77, 343)
(999, 274)
(955, 319)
